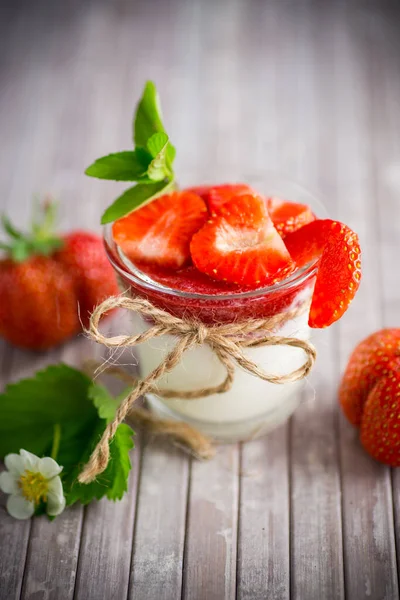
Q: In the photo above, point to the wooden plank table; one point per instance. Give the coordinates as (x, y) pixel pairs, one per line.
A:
(310, 89)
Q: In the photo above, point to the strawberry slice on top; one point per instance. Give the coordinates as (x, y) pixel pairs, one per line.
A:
(160, 232)
(241, 245)
(339, 266)
(288, 216)
(215, 196)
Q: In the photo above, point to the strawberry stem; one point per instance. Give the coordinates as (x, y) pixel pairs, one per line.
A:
(41, 240)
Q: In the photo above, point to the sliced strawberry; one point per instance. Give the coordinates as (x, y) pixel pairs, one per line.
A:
(368, 363)
(380, 421)
(217, 195)
(288, 216)
(241, 245)
(160, 232)
(339, 267)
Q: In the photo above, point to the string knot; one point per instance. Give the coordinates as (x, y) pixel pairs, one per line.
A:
(200, 333)
(228, 341)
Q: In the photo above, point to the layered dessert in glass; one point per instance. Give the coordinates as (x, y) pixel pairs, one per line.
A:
(221, 254)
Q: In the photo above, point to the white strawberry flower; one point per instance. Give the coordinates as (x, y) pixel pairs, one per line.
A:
(30, 480)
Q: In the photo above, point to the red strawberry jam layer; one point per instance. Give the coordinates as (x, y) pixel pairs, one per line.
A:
(191, 294)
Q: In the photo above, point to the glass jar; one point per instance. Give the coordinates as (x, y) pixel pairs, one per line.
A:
(252, 406)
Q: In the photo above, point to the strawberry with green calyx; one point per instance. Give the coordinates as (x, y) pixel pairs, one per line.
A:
(47, 286)
(369, 394)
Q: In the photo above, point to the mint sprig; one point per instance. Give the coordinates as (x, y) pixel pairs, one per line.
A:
(149, 164)
(65, 397)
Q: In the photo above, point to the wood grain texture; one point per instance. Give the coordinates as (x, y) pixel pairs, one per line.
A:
(211, 536)
(316, 528)
(157, 561)
(309, 89)
(106, 544)
(264, 510)
(385, 68)
(51, 566)
(263, 544)
(316, 535)
(369, 545)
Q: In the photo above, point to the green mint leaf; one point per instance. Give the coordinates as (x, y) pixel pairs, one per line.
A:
(171, 153)
(129, 165)
(61, 395)
(148, 117)
(135, 197)
(157, 145)
(148, 120)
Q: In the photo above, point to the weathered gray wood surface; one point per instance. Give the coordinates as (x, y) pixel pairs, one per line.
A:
(310, 89)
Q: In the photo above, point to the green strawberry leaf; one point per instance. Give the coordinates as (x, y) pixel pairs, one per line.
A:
(113, 482)
(135, 197)
(63, 396)
(105, 403)
(31, 408)
(129, 165)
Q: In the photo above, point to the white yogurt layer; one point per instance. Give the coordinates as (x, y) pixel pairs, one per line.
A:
(251, 405)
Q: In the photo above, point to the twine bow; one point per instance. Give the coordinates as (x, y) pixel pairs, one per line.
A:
(227, 341)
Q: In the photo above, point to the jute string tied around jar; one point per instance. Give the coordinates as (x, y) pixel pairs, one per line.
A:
(228, 341)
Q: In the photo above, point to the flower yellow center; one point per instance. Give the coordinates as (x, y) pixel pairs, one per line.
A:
(34, 486)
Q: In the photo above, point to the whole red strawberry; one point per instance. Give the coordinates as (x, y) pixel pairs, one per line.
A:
(370, 394)
(49, 284)
(83, 256)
